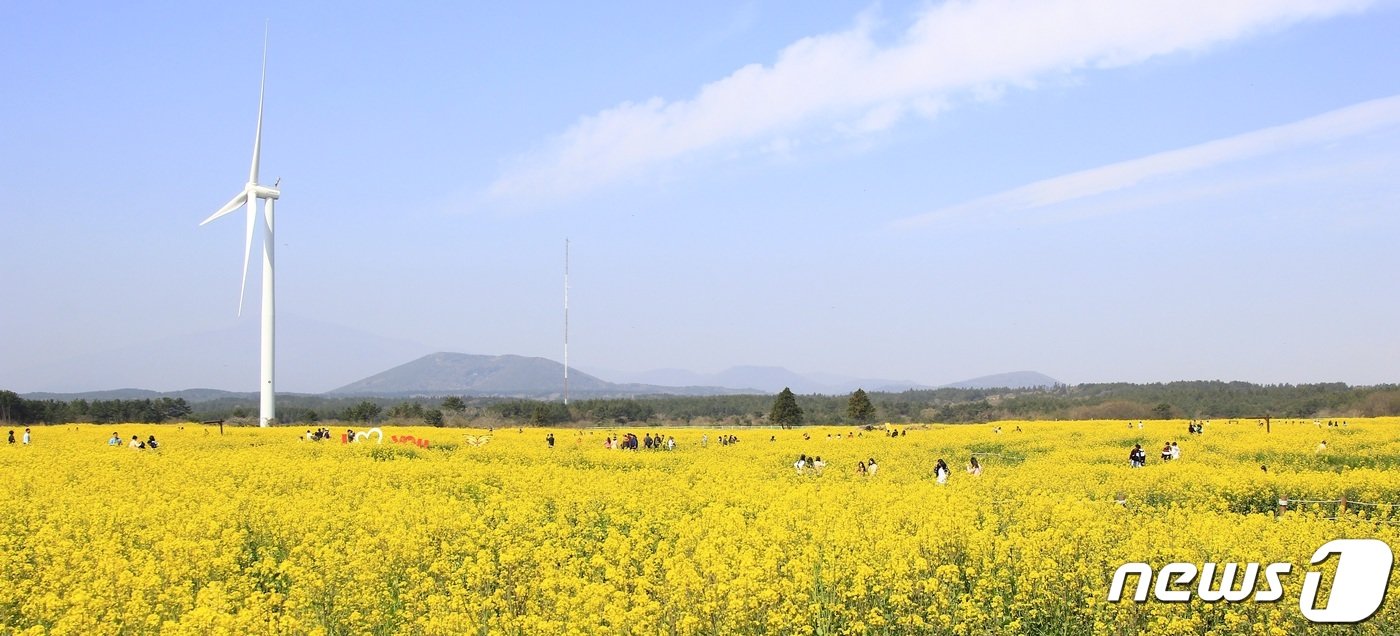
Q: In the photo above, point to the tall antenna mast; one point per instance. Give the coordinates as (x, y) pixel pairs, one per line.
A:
(566, 322)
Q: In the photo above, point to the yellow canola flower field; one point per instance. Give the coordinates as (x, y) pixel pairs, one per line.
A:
(260, 531)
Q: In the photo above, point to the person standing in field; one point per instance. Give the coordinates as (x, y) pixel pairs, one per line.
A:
(115, 441)
(801, 464)
(861, 469)
(1176, 451)
(974, 468)
(26, 436)
(1137, 457)
(12, 436)
(940, 472)
(871, 467)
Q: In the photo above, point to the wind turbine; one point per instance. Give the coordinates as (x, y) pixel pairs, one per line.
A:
(267, 408)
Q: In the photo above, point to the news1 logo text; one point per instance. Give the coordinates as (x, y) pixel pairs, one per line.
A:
(1358, 586)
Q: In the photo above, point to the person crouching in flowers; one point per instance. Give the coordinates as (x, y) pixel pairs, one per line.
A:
(974, 468)
(940, 471)
(860, 469)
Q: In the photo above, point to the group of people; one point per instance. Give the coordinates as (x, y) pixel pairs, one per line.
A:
(805, 463)
(941, 472)
(631, 442)
(869, 467)
(318, 434)
(135, 443)
(26, 436)
(725, 440)
(1195, 428)
(1137, 457)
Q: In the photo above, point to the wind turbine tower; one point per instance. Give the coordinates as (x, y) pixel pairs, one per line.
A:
(566, 322)
(267, 407)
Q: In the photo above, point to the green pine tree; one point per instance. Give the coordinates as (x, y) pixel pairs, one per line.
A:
(859, 408)
(786, 413)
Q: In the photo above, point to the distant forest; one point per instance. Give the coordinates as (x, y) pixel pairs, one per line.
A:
(1174, 400)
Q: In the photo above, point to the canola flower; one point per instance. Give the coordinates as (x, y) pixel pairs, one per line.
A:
(259, 531)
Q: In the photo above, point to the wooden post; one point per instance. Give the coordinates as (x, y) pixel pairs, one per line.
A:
(1342, 508)
(1268, 424)
(1282, 505)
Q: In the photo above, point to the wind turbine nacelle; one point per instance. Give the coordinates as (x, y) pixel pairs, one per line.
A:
(264, 192)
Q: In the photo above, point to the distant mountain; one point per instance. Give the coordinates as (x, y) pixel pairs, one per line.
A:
(1013, 380)
(312, 356)
(520, 376)
(766, 379)
(506, 375)
(111, 394)
(191, 395)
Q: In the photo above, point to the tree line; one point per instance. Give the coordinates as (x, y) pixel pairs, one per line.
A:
(18, 410)
(1196, 399)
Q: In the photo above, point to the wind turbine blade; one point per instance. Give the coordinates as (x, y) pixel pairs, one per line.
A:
(257, 137)
(232, 205)
(267, 214)
(247, 251)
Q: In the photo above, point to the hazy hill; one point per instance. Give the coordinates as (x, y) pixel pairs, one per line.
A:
(1013, 380)
(507, 375)
(531, 377)
(768, 379)
(312, 356)
(190, 395)
(773, 379)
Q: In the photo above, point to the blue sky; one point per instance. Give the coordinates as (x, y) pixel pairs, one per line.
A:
(1099, 191)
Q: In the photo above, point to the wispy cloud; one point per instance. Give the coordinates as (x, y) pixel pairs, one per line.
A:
(854, 80)
(1314, 131)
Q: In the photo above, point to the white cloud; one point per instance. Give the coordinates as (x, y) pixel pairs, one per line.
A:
(1320, 130)
(850, 80)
